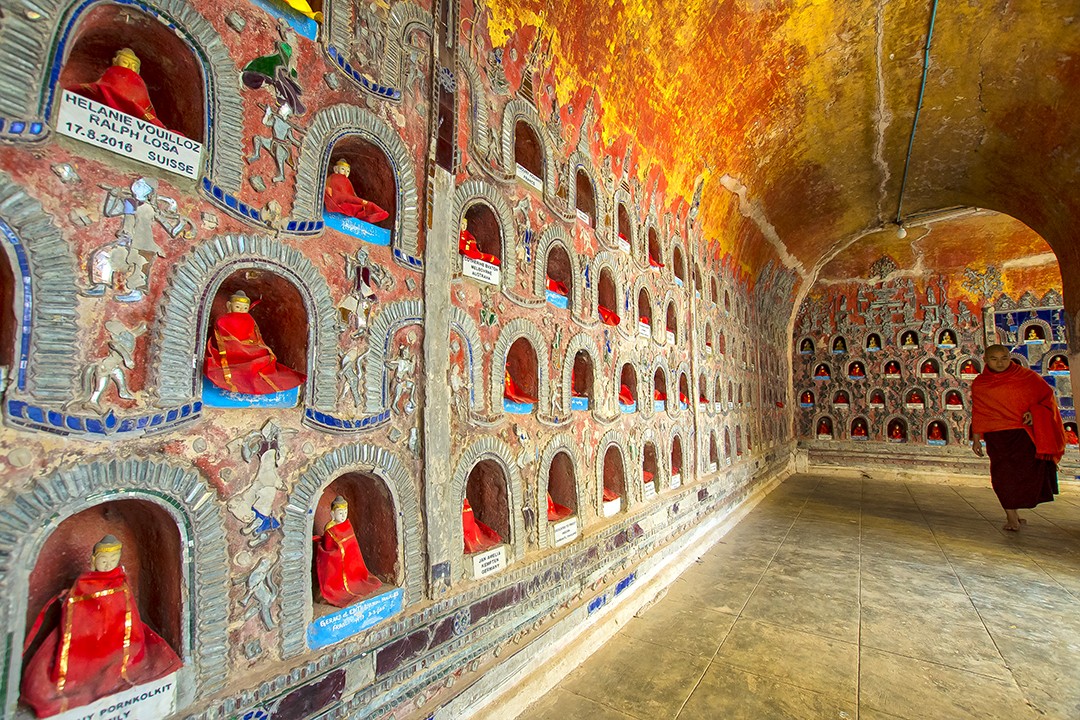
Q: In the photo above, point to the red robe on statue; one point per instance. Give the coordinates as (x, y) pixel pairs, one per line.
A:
(513, 393)
(87, 656)
(467, 246)
(610, 495)
(557, 287)
(557, 512)
(238, 360)
(339, 565)
(121, 89)
(340, 197)
(608, 316)
(478, 536)
(625, 396)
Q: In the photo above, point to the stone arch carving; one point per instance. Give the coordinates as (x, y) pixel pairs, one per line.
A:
(622, 195)
(518, 109)
(563, 442)
(520, 327)
(489, 448)
(661, 364)
(405, 18)
(30, 90)
(586, 342)
(610, 260)
(476, 191)
(556, 235)
(578, 159)
(31, 516)
(392, 318)
(329, 126)
(682, 331)
(631, 493)
(673, 382)
(908, 428)
(462, 324)
(651, 223)
(299, 515)
(648, 436)
(656, 333)
(483, 140)
(180, 329)
(43, 260)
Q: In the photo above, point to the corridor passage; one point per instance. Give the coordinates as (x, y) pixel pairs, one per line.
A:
(867, 599)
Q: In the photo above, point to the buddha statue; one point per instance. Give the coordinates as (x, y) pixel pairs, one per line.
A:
(512, 392)
(806, 347)
(555, 286)
(872, 343)
(1070, 435)
(896, 432)
(609, 494)
(122, 88)
(839, 345)
(625, 396)
(100, 647)
(1033, 334)
(824, 427)
(237, 358)
(947, 338)
(935, 432)
(683, 400)
(856, 370)
(821, 372)
(908, 340)
(928, 368)
(807, 398)
(915, 398)
(1058, 364)
(654, 262)
(953, 398)
(340, 197)
(841, 398)
(339, 565)
(659, 395)
(557, 512)
(877, 397)
(892, 368)
(968, 368)
(469, 248)
(478, 536)
(858, 429)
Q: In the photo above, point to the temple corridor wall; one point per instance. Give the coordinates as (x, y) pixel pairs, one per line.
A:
(461, 296)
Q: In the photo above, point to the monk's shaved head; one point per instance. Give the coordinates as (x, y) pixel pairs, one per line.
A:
(996, 349)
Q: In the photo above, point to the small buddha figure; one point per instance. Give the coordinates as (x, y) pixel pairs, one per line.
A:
(646, 476)
(968, 368)
(856, 370)
(821, 372)
(512, 392)
(659, 396)
(872, 343)
(683, 400)
(824, 427)
(807, 398)
(304, 8)
(1070, 435)
(839, 345)
(928, 368)
(340, 197)
(655, 263)
(553, 285)
(892, 368)
(953, 399)
(122, 88)
(339, 565)
(237, 358)
(557, 512)
(947, 338)
(1058, 364)
(806, 346)
(877, 397)
(100, 646)
(625, 396)
(858, 429)
(1033, 334)
(934, 432)
(896, 432)
(607, 316)
(841, 398)
(915, 398)
(908, 340)
(478, 536)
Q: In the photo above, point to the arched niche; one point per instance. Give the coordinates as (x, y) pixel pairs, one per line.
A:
(915, 396)
(727, 444)
(1058, 363)
(714, 453)
(896, 430)
(374, 521)
(708, 338)
(528, 151)
(613, 480)
(483, 224)
(645, 317)
(672, 323)
(873, 342)
(684, 392)
(653, 251)
(738, 440)
(584, 197)
(908, 339)
(628, 388)
(840, 398)
(697, 281)
(151, 559)
(822, 371)
(859, 429)
(487, 491)
(559, 276)
(660, 391)
(676, 460)
(562, 481)
(953, 400)
(929, 367)
(968, 368)
(947, 338)
(582, 381)
(824, 429)
(624, 231)
(937, 432)
(680, 265)
(722, 342)
(839, 345)
(731, 393)
(807, 398)
(714, 291)
(877, 397)
(170, 70)
(650, 469)
(607, 296)
(703, 390)
(856, 370)
(279, 311)
(522, 369)
(727, 301)
(371, 174)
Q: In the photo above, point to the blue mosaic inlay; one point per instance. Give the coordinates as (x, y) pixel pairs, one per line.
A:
(31, 417)
(325, 421)
(372, 87)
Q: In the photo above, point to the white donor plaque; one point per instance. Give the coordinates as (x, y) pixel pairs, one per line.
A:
(485, 272)
(529, 179)
(676, 480)
(152, 701)
(611, 507)
(650, 490)
(489, 562)
(564, 531)
(123, 134)
(583, 216)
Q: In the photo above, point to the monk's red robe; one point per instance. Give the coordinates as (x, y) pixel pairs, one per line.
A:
(101, 647)
(683, 399)
(557, 512)
(513, 393)
(478, 536)
(1071, 438)
(999, 401)
(468, 247)
(607, 316)
(339, 566)
(238, 360)
(121, 89)
(625, 396)
(340, 197)
(557, 287)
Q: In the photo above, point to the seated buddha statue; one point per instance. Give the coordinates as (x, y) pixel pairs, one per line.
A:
(856, 370)
(1058, 364)
(821, 371)
(968, 368)
(928, 367)
(823, 427)
(908, 340)
(878, 397)
(554, 286)
(841, 398)
(953, 398)
(122, 88)
(947, 338)
(806, 347)
(340, 197)
(654, 262)
(339, 565)
(478, 536)
(1033, 334)
(807, 398)
(858, 429)
(469, 248)
(100, 646)
(557, 512)
(625, 396)
(1070, 436)
(512, 392)
(915, 398)
(238, 360)
(892, 368)
(934, 433)
(896, 432)
(839, 345)
(607, 315)
(872, 343)
(683, 400)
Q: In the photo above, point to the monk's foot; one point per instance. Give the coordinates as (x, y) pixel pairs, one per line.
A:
(1011, 527)
(1012, 521)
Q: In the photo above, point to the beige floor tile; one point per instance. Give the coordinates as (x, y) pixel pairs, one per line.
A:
(818, 609)
(732, 694)
(689, 628)
(562, 704)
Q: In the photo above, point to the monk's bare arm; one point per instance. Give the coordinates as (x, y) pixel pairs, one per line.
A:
(976, 444)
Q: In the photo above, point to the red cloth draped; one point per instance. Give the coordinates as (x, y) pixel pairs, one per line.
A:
(478, 536)
(340, 196)
(512, 392)
(683, 399)
(657, 395)
(339, 565)
(86, 658)
(238, 360)
(999, 401)
(610, 495)
(607, 316)
(625, 397)
(653, 262)
(556, 511)
(648, 476)
(557, 287)
(643, 320)
(1071, 438)
(467, 246)
(121, 89)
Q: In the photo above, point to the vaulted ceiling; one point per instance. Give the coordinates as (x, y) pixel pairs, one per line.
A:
(799, 112)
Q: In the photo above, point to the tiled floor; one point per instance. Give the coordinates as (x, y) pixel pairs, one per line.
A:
(855, 599)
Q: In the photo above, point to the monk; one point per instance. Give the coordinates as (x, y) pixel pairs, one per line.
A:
(122, 88)
(896, 432)
(101, 645)
(824, 428)
(478, 536)
(858, 429)
(238, 360)
(513, 393)
(821, 372)
(892, 368)
(340, 197)
(339, 565)
(953, 398)
(928, 368)
(1014, 411)
(841, 398)
(1071, 438)
(557, 512)
(935, 432)
(968, 368)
